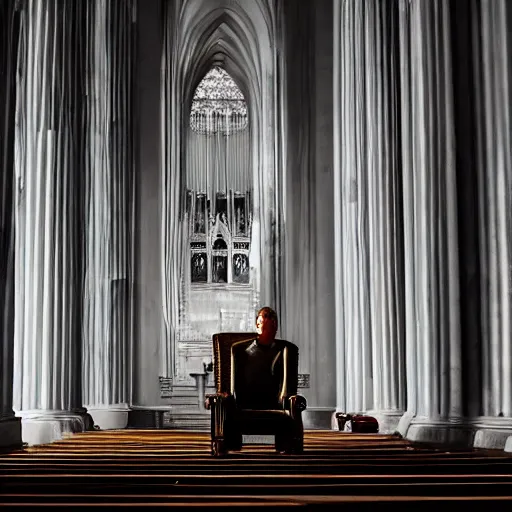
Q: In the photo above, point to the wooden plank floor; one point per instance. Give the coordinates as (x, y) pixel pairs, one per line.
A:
(160, 468)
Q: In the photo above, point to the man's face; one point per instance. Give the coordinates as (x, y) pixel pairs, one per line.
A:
(265, 326)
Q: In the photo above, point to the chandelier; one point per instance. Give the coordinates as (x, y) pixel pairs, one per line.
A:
(218, 105)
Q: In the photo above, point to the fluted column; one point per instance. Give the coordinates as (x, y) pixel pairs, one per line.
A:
(108, 178)
(492, 76)
(385, 235)
(298, 322)
(10, 427)
(47, 378)
(482, 80)
(307, 319)
(351, 228)
(489, 158)
(368, 206)
(431, 225)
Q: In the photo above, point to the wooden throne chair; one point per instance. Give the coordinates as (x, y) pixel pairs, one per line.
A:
(231, 419)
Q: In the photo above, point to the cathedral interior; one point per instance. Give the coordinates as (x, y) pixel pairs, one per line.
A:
(168, 167)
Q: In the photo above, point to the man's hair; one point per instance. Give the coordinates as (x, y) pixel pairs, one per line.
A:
(268, 312)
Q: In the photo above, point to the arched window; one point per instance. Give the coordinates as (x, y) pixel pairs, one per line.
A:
(219, 244)
(218, 105)
(218, 182)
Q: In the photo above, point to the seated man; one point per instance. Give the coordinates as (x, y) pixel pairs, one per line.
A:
(258, 366)
(258, 392)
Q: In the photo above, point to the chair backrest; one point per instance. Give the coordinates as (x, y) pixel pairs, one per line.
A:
(222, 343)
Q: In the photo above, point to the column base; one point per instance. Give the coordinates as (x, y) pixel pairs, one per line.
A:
(43, 427)
(451, 432)
(404, 423)
(10, 433)
(109, 417)
(318, 418)
(388, 420)
(492, 433)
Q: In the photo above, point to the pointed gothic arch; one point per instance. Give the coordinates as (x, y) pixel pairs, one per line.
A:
(196, 37)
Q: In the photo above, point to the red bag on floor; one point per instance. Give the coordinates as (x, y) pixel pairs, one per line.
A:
(357, 423)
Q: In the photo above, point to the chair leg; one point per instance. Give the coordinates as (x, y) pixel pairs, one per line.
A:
(290, 446)
(218, 448)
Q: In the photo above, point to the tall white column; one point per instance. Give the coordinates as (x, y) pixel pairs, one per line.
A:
(368, 208)
(306, 28)
(480, 76)
(491, 153)
(299, 184)
(493, 79)
(351, 208)
(47, 379)
(385, 235)
(323, 346)
(431, 226)
(108, 179)
(10, 426)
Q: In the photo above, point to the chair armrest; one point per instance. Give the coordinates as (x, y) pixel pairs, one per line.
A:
(294, 403)
(211, 400)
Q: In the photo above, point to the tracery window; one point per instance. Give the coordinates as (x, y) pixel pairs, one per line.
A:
(218, 105)
(218, 183)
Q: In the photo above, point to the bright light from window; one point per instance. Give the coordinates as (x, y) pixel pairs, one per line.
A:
(218, 104)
